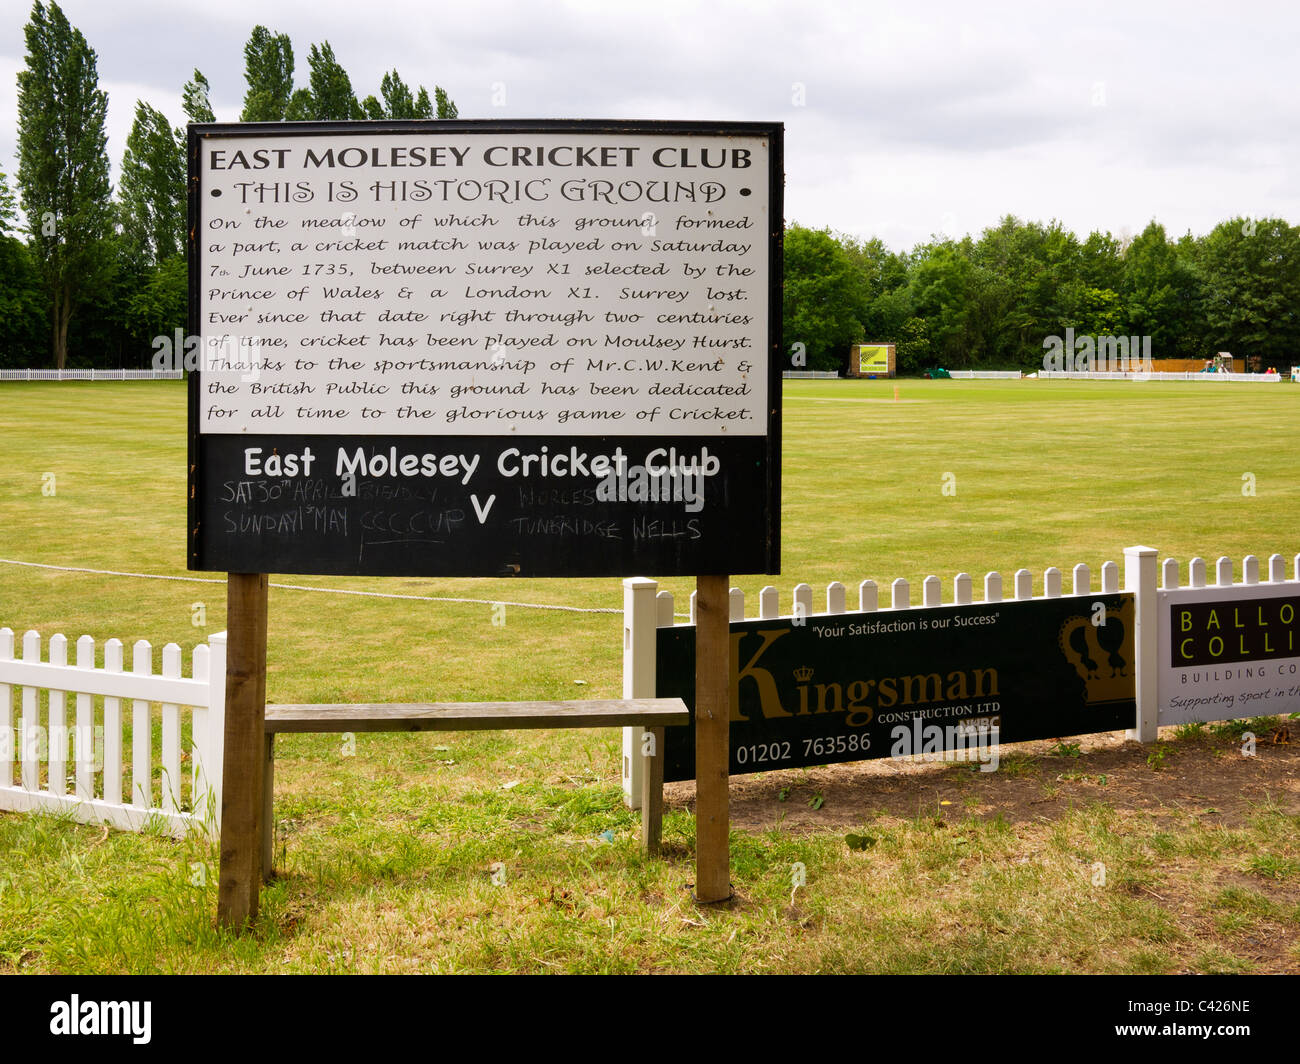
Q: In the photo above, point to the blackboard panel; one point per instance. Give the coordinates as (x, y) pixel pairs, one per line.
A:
(464, 508)
(1037, 670)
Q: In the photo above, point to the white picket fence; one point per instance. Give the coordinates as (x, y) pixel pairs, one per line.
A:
(90, 374)
(98, 736)
(985, 374)
(1108, 375)
(1250, 572)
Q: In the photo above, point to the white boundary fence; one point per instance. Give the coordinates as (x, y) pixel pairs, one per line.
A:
(90, 374)
(985, 374)
(646, 609)
(98, 748)
(41, 750)
(1107, 375)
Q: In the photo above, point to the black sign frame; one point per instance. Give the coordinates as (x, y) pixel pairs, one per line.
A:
(734, 544)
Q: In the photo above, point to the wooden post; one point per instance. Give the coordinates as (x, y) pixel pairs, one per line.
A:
(268, 809)
(712, 739)
(242, 764)
(652, 789)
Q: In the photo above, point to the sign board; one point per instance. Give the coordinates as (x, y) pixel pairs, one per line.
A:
(485, 348)
(856, 686)
(1229, 652)
(874, 358)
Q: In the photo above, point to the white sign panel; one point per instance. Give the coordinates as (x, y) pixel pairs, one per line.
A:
(1229, 652)
(575, 283)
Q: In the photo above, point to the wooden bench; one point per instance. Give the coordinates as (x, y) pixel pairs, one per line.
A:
(653, 714)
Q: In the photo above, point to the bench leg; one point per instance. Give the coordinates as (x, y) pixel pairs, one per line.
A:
(268, 809)
(652, 789)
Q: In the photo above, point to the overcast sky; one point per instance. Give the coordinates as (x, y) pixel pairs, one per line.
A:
(902, 119)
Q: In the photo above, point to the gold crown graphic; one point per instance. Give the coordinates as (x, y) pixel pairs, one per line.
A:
(1102, 654)
(803, 674)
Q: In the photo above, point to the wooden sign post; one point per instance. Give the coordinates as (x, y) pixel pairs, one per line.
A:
(712, 752)
(241, 799)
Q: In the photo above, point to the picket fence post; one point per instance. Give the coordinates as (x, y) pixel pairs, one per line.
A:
(214, 754)
(6, 713)
(640, 614)
(1140, 578)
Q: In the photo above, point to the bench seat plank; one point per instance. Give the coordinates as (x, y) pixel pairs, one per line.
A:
(476, 716)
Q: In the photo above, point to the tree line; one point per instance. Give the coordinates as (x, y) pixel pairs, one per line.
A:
(87, 277)
(992, 301)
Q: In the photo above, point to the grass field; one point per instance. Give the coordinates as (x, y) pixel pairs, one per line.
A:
(386, 853)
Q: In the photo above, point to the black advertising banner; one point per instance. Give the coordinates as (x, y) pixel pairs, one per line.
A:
(856, 686)
(1237, 629)
(480, 348)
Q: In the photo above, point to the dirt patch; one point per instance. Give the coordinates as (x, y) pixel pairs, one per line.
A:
(1207, 777)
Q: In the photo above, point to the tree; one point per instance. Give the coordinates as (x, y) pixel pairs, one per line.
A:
(194, 98)
(152, 189)
(8, 207)
(331, 89)
(1162, 296)
(23, 306)
(446, 109)
(302, 106)
(940, 289)
(268, 69)
(157, 306)
(398, 100)
(1252, 278)
(823, 300)
(63, 164)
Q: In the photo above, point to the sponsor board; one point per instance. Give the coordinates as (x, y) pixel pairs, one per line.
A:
(849, 687)
(1228, 652)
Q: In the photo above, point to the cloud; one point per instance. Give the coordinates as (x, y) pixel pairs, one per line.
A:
(901, 117)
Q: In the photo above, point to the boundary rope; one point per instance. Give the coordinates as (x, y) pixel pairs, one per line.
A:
(322, 590)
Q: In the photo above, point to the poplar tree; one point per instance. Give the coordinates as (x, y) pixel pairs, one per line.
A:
(446, 109)
(399, 102)
(268, 69)
(63, 164)
(332, 97)
(194, 98)
(152, 188)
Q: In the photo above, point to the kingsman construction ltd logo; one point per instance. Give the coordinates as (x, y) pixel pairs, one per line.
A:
(1098, 354)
